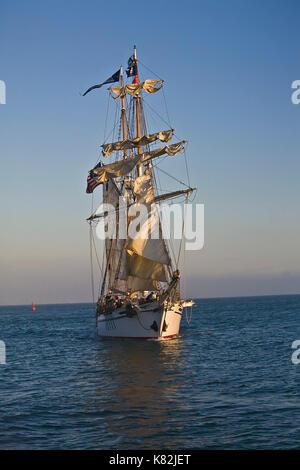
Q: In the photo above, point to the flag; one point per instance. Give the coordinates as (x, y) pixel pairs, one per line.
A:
(114, 78)
(92, 182)
(132, 67)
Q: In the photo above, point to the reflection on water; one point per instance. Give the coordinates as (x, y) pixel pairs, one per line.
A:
(146, 377)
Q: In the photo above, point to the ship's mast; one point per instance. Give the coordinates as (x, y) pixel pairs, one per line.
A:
(137, 107)
(123, 111)
(113, 241)
(138, 132)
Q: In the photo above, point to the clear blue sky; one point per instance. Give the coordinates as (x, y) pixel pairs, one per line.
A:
(228, 67)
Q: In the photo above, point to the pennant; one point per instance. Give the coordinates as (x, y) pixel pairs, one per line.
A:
(114, 78)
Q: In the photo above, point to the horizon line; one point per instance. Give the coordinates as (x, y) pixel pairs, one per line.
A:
(193, 298)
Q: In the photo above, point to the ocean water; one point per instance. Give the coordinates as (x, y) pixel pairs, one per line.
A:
(227, 382)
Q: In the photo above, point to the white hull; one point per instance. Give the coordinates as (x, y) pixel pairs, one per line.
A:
(118, 325)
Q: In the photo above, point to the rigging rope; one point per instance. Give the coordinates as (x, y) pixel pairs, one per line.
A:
(160, 78)
(186, 167)
(147, 329)
(115, 121)
(97, 258)
(182, 233)
(106, 119)
(168, 116)
(166, 106)
(181, 182)
(184, 252)
(91, 262)
(188, 317)
(152, 109)
(149, 70)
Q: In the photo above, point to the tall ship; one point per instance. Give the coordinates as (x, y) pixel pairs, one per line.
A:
(139, 290)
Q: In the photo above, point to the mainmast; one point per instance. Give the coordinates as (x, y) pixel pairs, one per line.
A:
(123, 111)
(137, 107)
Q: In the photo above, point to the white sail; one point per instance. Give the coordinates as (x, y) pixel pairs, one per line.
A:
(114, 245)
(126, 271)
(126, 165)
(150, 86)
(136, 284)
(170, 150)
(116, 169)
(148, 242)
(163, 136)
(143, 268)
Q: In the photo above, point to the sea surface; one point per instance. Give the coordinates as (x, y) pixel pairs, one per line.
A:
(228, 382)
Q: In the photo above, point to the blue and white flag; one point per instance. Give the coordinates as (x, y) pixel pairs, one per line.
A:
(114, 78)
(132, 68)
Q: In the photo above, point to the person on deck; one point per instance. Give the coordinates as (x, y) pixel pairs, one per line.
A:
(149, 296)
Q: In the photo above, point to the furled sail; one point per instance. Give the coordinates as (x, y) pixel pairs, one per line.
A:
(163, 197)
(150, 86)
(163, 136)
(126, 165)
(171, 150)
(159, 198)
(116, 169)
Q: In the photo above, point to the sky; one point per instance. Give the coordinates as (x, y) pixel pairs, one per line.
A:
(228, 69)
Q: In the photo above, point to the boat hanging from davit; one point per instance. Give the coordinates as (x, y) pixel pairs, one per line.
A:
(139, 292)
